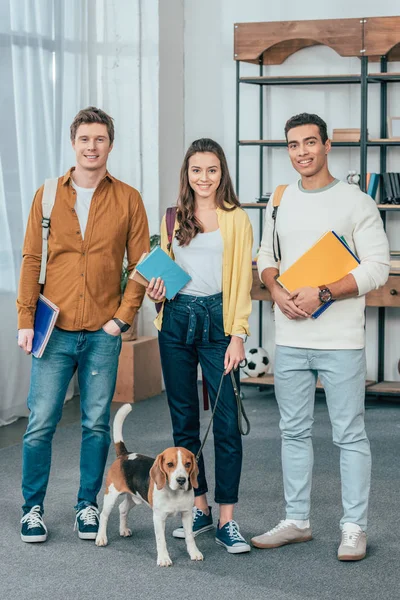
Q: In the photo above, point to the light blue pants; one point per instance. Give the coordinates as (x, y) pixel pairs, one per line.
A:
(342, 373)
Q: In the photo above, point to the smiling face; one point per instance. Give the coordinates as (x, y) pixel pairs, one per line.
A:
(307, 152)
(92, 146)
(204, 174)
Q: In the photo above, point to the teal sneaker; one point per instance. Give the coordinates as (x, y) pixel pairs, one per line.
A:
(201, 523)
(33, 528)
(87, 521)
(230, 537)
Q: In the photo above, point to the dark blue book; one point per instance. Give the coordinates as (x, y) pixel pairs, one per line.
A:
(45, 319)
(158, 264)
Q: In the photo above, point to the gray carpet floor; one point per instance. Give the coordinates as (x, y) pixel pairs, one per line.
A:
(68, 568)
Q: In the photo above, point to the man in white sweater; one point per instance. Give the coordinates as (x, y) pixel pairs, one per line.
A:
(331, 347)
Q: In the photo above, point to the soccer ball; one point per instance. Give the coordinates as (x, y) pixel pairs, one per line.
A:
(257, 362)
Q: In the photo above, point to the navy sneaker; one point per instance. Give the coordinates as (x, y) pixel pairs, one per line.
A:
(201, 523)
(33, 528)
(87, 521)
(230, 537)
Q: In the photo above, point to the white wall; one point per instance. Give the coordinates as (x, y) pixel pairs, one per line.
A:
(209, 72)
(171, 99)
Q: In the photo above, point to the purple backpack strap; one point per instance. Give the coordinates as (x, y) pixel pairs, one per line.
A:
(170, 217)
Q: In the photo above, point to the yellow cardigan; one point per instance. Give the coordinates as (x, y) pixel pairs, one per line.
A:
(237, 277)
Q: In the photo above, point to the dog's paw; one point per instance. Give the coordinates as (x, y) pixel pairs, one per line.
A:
(125, 532)
(164, 560)
(197, 555)
(101, 540)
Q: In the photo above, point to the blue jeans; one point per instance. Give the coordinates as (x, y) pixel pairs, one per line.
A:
(342, 373)
(95, 355)
(193, 332)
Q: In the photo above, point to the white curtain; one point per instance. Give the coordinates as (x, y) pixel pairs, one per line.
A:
(57, 57)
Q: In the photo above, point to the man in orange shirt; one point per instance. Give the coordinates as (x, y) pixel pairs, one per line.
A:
(95, 219)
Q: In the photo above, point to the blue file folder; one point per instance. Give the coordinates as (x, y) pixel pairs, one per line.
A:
(45, 319)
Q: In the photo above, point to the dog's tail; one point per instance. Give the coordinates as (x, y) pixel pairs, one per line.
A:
(119, 419)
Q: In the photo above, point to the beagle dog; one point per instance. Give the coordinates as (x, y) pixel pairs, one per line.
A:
(165, 484)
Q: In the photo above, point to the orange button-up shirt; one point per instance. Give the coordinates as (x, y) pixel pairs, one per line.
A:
(83, 275)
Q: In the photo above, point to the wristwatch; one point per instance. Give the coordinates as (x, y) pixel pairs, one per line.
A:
(123, 326)
(325, 294)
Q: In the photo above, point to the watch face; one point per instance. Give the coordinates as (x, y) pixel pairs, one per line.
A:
(325, 295)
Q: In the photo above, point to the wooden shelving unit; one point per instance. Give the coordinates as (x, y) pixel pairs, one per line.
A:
(372, 39)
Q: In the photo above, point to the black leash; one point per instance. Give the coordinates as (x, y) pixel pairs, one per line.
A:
(241, 412)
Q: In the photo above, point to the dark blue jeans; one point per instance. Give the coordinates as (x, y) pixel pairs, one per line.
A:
(193, 332)
(95, 355)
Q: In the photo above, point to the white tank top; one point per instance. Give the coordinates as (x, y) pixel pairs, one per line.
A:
(202, 260)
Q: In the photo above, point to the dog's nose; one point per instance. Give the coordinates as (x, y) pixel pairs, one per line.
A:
(181, 480)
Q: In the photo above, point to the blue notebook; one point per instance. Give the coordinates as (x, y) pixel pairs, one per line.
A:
(45, 319)
(158, 264)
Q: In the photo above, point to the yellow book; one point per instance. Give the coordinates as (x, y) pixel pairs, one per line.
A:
(327, 261)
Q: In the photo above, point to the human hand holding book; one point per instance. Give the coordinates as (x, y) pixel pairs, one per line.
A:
(306, 299)
(287, 305)
(156, 290)
(157, 265)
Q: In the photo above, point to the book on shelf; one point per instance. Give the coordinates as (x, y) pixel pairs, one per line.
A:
(372, 184)
(395, 181)
(325, 262)
(390, 193)
(45, 318)
(157, 263)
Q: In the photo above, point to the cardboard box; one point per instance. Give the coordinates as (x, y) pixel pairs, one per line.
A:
(139, 370)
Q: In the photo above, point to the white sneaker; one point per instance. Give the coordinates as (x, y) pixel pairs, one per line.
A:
(286, 532)
(354, 543)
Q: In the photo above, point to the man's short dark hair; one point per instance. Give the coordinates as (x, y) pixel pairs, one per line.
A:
(307, 119)
(92, 115)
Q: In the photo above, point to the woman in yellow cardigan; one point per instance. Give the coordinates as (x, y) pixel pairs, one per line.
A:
(207, 323)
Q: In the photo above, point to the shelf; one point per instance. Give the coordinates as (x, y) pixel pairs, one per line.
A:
(283, 143)
(388, 207)
(380, 77)
(256, 204)
(383, 142)
(268, 380)
(385, 388)
(302, 79)
(319, 79)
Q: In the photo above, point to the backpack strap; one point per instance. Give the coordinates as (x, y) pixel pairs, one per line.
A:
(277, 197)
(48, 199)
(170, 217)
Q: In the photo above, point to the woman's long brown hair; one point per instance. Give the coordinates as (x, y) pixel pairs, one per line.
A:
(189, 225)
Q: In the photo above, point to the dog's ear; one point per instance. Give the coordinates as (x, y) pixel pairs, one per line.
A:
(157, 473)
(194, 473)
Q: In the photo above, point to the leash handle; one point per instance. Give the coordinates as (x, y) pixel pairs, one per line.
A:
(241, 412)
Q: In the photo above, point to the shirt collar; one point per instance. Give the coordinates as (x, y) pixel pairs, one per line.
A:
(68, 176)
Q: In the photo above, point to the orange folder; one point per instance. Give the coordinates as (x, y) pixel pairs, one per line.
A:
(327, 261)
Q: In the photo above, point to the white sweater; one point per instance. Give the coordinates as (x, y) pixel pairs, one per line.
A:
(303, 216)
